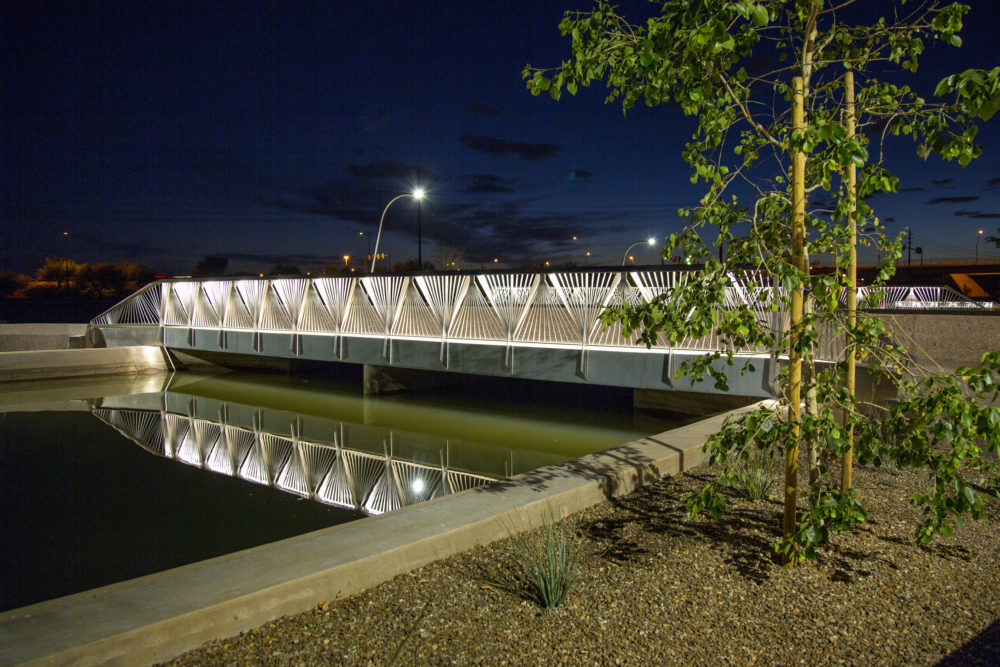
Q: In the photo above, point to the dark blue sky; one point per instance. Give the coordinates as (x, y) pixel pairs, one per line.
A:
(162, 132)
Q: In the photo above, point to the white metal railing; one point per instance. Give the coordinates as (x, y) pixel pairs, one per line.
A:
(939, 297)
(555, 309)
(327, 472)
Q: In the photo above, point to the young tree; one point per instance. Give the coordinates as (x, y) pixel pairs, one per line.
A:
(768, 82)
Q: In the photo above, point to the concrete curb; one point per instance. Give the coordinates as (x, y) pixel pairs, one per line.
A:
(162, 615)
(90, 362)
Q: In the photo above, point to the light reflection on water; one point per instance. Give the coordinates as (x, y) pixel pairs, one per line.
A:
(82, 506)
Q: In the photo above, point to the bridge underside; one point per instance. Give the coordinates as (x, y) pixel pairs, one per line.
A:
(636, 368)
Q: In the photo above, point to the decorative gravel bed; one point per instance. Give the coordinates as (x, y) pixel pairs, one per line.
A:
(658, 588)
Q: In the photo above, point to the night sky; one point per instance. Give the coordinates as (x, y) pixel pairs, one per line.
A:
(162, 132)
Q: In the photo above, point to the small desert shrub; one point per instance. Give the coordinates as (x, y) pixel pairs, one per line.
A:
(549, 563)
(752, 478)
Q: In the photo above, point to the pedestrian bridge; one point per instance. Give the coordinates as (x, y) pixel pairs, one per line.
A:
(538, 325)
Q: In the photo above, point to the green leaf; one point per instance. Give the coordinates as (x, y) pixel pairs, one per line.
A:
(759, 15)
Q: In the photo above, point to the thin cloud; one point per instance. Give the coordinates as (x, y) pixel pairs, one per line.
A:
(978, 215)
(488, 184)
(994, 182)
(952, 200)
(944, 181)
(577, 174)
(501, 147)
(916, 189)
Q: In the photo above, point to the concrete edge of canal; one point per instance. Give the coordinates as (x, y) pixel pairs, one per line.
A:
(159, 616)
(24, 365)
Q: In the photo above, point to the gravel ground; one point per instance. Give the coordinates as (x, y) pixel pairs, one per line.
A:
(657, 588)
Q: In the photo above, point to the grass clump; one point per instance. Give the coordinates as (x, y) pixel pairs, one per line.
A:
(549, 563)
(752, 478)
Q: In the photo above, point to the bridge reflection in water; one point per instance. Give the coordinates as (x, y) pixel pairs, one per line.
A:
(328, 472)
(340, 449)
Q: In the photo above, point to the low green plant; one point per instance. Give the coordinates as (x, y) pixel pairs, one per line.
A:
(752, 478)
(549, 562)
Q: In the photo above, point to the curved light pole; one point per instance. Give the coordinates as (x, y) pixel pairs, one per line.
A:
(979, 236)
(650, 241)
(418, 194)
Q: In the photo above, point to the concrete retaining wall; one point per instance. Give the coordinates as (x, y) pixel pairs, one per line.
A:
(944, 339)
(21, 337)
(93, 362)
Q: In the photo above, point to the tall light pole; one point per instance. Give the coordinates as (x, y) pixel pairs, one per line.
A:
(650, 241)
(978, 236)
(420, 240)
(418, 194)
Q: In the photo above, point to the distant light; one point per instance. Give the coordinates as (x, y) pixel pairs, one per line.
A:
(417, 485)
(574, 238)
(261, 275)
(495, 260)
(418, 193)
(67, 233)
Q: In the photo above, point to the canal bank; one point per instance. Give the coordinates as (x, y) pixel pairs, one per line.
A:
(162, 615)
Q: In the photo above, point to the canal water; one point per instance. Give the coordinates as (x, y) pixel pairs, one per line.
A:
(107, 480)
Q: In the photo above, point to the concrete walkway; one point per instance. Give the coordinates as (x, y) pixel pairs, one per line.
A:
(162, 615)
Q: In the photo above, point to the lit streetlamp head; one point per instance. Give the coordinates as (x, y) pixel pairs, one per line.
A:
(418, 193)
(651, 241)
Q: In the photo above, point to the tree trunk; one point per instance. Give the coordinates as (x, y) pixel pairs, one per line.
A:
(795, 324)
(852, 287)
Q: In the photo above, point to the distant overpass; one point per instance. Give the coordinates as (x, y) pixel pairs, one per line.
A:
(976, 280)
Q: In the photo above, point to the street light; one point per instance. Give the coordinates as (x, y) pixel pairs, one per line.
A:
(650, 241)
(347, 258)
(978, 236)
(418, 194)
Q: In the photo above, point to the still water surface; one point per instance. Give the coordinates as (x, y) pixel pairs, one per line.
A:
(109, 480)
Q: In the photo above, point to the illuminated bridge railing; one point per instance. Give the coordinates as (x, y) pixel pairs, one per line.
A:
(506, 308)
(510, 309)
(330, 473)
(938, 297)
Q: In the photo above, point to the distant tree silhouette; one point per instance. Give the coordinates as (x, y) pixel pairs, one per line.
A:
(11, 282)
(411, 265)
(285, 270)
(209, 266)
(120, 278)
(61, 271)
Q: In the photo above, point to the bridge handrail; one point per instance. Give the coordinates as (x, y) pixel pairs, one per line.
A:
(508, 308)
(142, 307)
